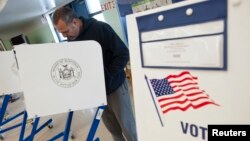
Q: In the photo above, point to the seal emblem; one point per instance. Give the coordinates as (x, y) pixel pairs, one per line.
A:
(66, 73)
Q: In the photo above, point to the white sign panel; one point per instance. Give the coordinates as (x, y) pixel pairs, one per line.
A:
(178, 104)
(195, 51)
(9, 75)
(61, 77)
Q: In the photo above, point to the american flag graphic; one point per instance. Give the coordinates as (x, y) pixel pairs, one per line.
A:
(179, 92)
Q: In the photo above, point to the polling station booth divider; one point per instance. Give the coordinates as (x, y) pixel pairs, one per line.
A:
(60, 78)
(10, 84)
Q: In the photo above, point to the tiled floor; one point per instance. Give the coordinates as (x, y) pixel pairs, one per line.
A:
(80, 125)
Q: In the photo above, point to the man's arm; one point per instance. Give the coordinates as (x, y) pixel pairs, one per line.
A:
(120, 53)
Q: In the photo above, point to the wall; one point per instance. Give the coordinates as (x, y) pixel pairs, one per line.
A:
(112, 17)
(7, 44)
(40, 35)
(36, 32)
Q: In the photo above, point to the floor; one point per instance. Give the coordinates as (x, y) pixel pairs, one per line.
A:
(80, 124)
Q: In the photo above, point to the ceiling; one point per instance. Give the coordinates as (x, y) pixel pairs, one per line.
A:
(16, 13)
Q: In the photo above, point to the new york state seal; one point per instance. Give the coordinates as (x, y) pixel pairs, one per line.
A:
(66, 73)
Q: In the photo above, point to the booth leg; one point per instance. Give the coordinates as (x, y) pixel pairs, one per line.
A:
(66, 133)
(95, 124)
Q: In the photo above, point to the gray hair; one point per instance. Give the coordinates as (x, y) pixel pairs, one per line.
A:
(65, 14)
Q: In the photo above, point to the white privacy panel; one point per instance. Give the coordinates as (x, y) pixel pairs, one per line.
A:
(9, 75)
(61, 77)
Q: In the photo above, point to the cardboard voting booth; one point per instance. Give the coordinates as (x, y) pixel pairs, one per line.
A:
(9, 75)
(63, 77)
(190, 69)
(9, 84)
(59, 78)
(55, 78)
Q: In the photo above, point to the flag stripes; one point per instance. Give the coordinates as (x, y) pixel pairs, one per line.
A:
(179, 92)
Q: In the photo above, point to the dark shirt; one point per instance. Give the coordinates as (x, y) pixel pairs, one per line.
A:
(115, 53)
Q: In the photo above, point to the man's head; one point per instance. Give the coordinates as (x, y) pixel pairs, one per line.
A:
(67, 23)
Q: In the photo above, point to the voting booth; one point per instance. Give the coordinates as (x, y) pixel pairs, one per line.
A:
(55, 78)
(9, 75)
(64, 77)
(190, 68)
(9, 84)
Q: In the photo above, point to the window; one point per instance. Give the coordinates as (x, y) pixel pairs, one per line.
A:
(93, 6)
(85, 8)
(95, 10)
(99, 17)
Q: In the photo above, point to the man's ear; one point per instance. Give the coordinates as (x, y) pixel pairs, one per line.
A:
(75, 21)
